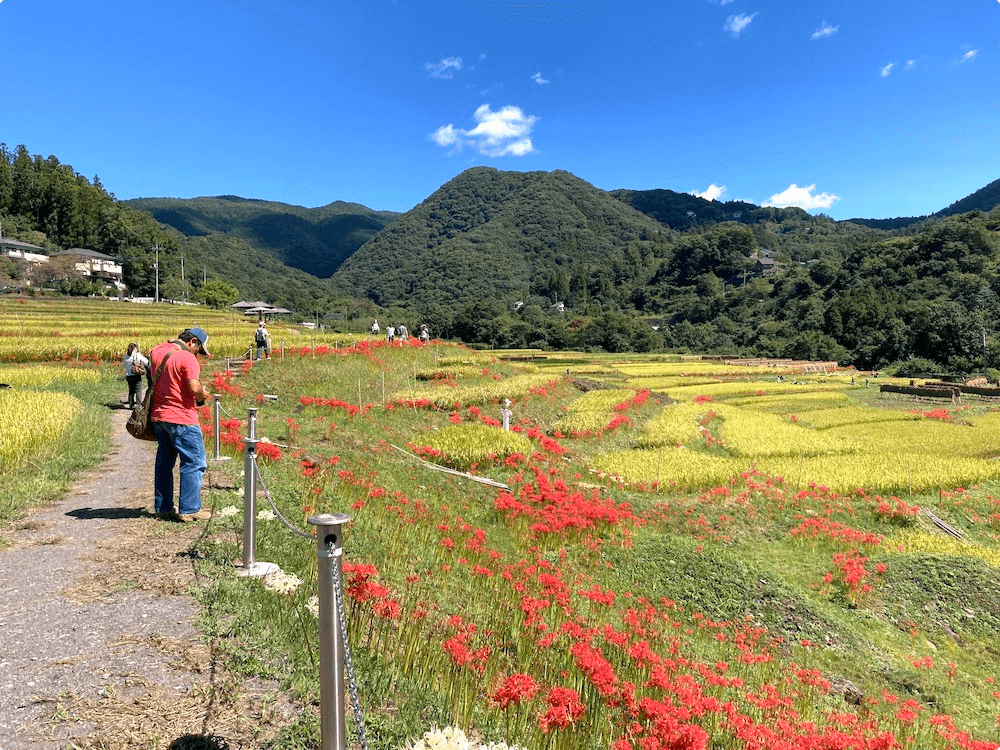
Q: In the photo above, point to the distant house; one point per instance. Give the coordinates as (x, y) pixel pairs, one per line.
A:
(519, 304)
(766, 267)
(558, 307)
(89, 263)
(22, 251)
(95, 265)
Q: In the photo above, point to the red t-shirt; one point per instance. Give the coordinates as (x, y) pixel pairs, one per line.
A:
(173, 399)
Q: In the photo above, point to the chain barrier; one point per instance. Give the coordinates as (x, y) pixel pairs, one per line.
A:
(338, 593)
(267, 494)
(223, 410)
(352, 683)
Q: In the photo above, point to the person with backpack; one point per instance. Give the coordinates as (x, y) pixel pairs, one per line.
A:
(136, 366)
(262, 340)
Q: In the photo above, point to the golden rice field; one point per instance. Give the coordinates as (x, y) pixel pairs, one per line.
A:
(41, 330)
(469, 444)
(811, 432)
(44, 375)
(592, 411)
(480, 393)
(30, 419)
(816, 427)
(677, 424)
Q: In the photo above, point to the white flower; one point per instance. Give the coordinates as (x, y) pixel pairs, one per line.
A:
(282, 583)
(313, 605)
(265, 515)
(453, 738)
(229, 511)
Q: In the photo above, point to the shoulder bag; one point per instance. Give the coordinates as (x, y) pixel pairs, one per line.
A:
(139, 425)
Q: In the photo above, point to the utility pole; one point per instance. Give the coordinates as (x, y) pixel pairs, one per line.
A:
(183, 280)
(156, 265)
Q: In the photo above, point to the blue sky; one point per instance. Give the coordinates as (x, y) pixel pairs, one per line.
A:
(852, 108)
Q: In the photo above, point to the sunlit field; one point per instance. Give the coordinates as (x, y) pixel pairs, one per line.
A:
(728, 563)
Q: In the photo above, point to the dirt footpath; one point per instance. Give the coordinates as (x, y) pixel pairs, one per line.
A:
(97, 642)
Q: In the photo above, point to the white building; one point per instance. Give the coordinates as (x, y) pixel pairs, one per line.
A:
(88, 263)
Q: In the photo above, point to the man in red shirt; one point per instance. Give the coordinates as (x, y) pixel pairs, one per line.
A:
(176, 395)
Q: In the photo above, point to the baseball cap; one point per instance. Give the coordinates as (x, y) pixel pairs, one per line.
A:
(202, 339)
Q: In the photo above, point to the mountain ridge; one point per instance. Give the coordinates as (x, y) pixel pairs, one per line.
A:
(315, 240)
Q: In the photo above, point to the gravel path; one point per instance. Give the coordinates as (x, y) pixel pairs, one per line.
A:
(97, 642)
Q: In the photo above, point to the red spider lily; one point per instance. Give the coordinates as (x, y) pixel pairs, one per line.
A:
(812, 528)
(516, 688)
(269, 451)
(564, 709)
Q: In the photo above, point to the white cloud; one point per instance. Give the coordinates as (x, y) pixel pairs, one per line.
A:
(725, 2)
(712, 193)
(910, 64)
(506, 132)
(824, 31)
(802, 197)
(537, 78)
(968, 55)
(736, 24)
(445, 68)
(887, 69)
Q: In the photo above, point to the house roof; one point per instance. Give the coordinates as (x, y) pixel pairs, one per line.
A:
(20, 245)
(84, 252)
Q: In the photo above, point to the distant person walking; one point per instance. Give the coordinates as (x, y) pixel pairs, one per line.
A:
(402, 333)
(390, 333)
(262, 340)
(375, 328)
(136, 366)
(177, 394)
(424, 334)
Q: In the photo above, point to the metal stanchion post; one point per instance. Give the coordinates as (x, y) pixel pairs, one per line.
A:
(506, 413)
(250, 566)
(216, 414)
(329, 550)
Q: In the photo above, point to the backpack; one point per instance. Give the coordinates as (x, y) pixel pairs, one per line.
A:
(138, 367)
(259, 337)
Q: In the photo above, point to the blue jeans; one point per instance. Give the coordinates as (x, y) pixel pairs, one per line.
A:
(186, 441)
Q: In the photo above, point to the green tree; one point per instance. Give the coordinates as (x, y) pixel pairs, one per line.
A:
(217, 293)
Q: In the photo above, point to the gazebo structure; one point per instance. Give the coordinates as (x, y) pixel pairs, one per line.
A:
(258, 308)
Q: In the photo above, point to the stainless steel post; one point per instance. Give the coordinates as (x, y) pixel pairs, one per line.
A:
(216, 407)
(333, 699)
(250, 492)
(251, 566)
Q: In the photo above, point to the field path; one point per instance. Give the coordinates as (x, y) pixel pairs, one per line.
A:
(97, 641)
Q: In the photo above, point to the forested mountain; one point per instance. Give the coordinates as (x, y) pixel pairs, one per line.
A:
(486, 258)
(315, 240)
(488, 234)
(48, 204)
(984, 199)
(683, 210)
